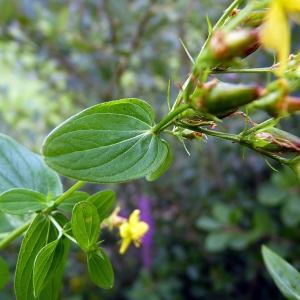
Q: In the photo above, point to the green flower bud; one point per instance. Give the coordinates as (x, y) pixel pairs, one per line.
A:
(277, 104)
(221, 99)
(227, 45)
(273, 140)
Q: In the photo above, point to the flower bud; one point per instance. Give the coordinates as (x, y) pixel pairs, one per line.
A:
(274, 140)
(276, 104)
(253, 19)
(227, 45)
(221, 99)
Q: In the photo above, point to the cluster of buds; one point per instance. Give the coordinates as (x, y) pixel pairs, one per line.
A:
(227, 45)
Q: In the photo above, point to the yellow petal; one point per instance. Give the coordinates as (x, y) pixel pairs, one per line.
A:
(125, 244)
(134, 217)
(276, 33)
(291, 5)
(124, 230)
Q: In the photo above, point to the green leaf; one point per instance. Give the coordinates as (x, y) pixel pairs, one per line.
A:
(107, 143)
(85, 225)
(22, 201)
(4, 273)
(52, 290)
(34, 240)
(163, 167)
(103, 201)
(46, 265)
(271, 195)
(210, 28)
(286, 277)
(207, 223)
(100, 269)
(69, 203)
(21, 168)
(217, 241)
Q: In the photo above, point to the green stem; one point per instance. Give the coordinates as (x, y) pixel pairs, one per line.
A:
(14, 234)
(64, 196)
(253, 70)
(217, 25)
(169, 118)
(20, 230)
(237, 139)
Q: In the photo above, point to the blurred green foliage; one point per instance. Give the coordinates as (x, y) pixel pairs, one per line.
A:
(212, 209)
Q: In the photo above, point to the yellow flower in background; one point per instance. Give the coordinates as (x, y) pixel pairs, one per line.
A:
(276, 29)
(132, 231)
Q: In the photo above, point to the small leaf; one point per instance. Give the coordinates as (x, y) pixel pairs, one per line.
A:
(85, 225)
(286, 277)
(69, 203)
(103, 201)
(163, 167)
(22, 201)
(46, 265)
(107, 143)
(4, 273)
(21, 168)
(210, 28)
(34, 240)
(52, 290)
(217, 241)
(271, 195)
(100, 269)
(207, 223)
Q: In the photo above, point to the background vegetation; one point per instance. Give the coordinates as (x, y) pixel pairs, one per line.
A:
(211, 212)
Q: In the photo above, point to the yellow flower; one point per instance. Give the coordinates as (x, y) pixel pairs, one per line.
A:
(132, 231)
(276, 31)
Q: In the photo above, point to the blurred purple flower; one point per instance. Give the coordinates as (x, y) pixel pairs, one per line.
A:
(144, 205)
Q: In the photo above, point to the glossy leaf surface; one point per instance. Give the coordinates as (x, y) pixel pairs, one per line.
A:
(107, 143)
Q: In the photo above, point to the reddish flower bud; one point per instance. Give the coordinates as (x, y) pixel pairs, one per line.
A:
(273, 140)
(227, 45)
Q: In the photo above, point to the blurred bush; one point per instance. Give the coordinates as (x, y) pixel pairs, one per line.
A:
(212, 210)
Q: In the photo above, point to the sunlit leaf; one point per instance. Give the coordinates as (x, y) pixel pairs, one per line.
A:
(106, 143)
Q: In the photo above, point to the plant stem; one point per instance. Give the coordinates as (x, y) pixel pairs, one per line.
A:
(169, 118)
(14, 234)
(18, 231)
(217, 25)
(253, 70)
(64, 196)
